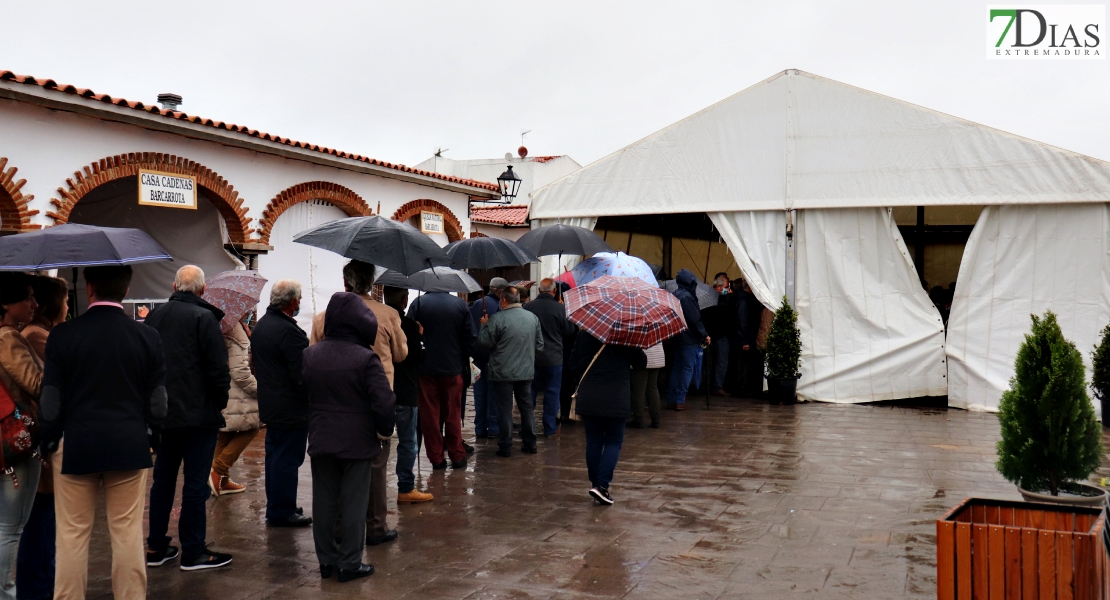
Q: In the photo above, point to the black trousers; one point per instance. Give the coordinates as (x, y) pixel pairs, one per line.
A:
(503, 392)
(340, 491)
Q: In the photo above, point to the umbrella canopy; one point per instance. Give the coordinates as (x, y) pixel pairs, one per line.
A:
(625, 311)
(436, 279)
(75, 245)
(235, 293)
(379, 241)
(617, 265)
(706, 295)
(487, 253)
(658, 272)
(563, 239)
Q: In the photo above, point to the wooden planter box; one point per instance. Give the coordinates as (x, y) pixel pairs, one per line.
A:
(989, 549)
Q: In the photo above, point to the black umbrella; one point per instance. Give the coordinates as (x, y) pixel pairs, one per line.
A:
(657, 270)
(378, 241)
(563, 239)
(75, 245)
(436, 279)
(488, 253)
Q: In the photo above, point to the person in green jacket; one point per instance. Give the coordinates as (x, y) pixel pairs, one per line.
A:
(513, 337)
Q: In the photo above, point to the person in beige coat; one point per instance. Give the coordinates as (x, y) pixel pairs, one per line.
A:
(241, 414)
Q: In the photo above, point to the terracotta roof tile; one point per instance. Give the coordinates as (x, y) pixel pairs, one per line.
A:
(543, 159)
(50, 84)
(516, 215)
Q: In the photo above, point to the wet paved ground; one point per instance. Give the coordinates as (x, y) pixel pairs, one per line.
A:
(744, 500)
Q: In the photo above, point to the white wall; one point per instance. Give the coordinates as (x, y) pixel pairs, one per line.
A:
(48, 146)
(533, 175)
(497, 231)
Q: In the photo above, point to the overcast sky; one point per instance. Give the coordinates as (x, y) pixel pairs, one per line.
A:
(395, 80)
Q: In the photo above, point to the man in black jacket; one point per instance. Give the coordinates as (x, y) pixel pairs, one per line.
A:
(686, 343)
(276, 346)
(549, 361)
(197, 383)
(104, 390)
(406, 386)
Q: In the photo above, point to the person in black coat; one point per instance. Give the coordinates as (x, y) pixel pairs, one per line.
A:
(685, 345)
(351, 409)
(277, 344)
(197, 383)
(604, 402)
(549, 361)
(104, 391)
(406, 386)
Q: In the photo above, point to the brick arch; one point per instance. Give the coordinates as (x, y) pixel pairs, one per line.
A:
(344, 198)
(108, 169)
(451, 223)
(15, 216)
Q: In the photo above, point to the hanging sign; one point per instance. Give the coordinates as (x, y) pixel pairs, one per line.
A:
(431, 222)
(167, 189)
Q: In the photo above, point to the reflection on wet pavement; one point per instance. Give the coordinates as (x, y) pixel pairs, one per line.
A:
(743, 500)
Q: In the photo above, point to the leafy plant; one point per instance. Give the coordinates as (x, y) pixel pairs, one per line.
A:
(1049, 433)
(1100, 368)
(784, 344)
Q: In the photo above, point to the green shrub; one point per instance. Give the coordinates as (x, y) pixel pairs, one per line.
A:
(1049, 432)
(784, 344)
(1100, 368)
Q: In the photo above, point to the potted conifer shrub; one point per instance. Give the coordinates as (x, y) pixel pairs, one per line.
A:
(783, 355)
(1050, 438)
(1100, 374)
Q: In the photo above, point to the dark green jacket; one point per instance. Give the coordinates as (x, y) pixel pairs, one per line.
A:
(513, 337)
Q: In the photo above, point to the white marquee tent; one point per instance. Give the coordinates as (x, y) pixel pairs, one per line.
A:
(803, 160)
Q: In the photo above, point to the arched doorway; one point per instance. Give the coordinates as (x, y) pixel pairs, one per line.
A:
(292, 211)
(106, 194)
(14, 215)
(410, 213)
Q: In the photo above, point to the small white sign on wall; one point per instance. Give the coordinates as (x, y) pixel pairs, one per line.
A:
(167, 189)
(431, 222)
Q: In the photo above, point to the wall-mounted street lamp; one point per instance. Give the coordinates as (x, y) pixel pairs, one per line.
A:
(509, 183)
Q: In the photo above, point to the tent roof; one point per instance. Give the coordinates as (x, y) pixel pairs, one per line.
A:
(798, 140)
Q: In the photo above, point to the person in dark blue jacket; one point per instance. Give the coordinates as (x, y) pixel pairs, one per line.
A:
(686, 343)
(485, 411)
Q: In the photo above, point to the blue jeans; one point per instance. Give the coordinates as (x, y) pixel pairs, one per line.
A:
(34, 574)
(192, 447)
(15, 510)
(407, 423)
(548, 380)
(285, 448)
(682, 371)
(485, 408)
(604, 436)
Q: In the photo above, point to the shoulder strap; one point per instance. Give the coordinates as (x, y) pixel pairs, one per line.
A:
(584, 373)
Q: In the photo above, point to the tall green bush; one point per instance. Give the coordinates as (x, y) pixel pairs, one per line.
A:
(784, 344)
(1100, 368)
(1049, 432)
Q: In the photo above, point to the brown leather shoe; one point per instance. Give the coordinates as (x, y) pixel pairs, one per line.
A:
(414, 497)
(680, 407)
(227, 486)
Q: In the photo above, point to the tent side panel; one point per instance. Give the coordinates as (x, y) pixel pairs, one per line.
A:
(757, 240)
(869, 331)
(1024, 260)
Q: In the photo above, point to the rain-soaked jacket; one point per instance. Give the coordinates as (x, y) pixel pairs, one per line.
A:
(687, 296)
(349, 398)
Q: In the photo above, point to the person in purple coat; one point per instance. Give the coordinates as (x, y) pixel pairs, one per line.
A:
(351, 409)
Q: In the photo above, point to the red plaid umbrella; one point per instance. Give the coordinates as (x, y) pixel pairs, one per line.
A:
(625, 311)
(235, 293)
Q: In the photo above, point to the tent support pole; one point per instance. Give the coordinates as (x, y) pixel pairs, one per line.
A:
(791, 262)
(667, 255)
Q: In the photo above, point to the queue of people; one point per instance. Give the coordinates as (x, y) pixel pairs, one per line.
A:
(120, 400)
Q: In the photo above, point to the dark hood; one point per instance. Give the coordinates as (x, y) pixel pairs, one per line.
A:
(196, 300)
(687, 281)
(349, 319)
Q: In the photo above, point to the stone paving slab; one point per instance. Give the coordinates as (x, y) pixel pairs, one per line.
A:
(743, 500)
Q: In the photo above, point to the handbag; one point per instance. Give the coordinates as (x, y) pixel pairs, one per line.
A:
(18, 433)
(574, 396)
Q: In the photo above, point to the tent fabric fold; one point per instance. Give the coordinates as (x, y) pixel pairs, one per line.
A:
(1024, 260)
(869, 331)
(757, 240)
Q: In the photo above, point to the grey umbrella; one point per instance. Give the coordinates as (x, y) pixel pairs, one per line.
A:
(75, 245)
(706, 295)
(563, 239)
(436, 279)
(488, 253)
(378, 241)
